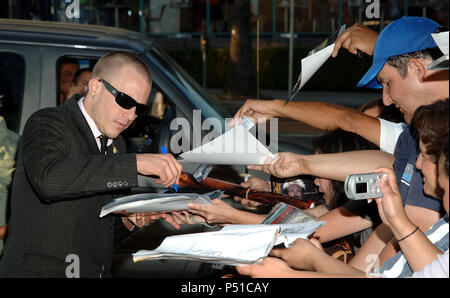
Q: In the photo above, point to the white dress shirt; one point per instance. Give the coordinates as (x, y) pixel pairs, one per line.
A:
(92, 125)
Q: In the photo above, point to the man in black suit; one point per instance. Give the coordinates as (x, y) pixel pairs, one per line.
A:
(63, 179)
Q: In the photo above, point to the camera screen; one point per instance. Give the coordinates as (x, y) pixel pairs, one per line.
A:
(361, 187)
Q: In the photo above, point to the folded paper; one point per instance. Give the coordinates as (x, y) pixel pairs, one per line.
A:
(233, 245)
(237, 146)
(315, 59)
(157, 202)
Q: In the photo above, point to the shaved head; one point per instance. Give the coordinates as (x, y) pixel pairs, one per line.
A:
(111, 63)
(126, 73)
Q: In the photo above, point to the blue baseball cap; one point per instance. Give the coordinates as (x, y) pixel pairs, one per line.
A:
(402, 36)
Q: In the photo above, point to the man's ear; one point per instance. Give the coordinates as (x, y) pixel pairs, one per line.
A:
(418, 68)
(94, 87)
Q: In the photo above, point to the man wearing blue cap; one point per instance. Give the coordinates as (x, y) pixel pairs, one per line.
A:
(403, 46)
(401, 55)
(400, 58)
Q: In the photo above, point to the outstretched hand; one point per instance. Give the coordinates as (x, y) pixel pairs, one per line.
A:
(253, 183)
(300, 254)
(144, 219)
(283, 165)
(390, 206)
(357, 37)
(184, 217)
(218, 212)
(257, 110)
(269, 267)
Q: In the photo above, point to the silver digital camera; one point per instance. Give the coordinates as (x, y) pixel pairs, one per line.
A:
(363, 186)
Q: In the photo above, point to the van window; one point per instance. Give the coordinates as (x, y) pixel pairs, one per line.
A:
(144, 134)
(73, 74)
(141, 136)
(12, 77)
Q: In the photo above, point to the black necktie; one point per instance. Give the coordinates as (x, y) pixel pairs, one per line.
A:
(103, 143)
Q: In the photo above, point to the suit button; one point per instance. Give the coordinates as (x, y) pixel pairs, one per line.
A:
(125, 183)
(120, 183)
(109, 184)
(114, 184)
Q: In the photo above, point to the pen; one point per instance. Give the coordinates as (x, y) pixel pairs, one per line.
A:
(164, 151)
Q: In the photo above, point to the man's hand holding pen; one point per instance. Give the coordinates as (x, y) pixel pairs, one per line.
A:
(164, 166)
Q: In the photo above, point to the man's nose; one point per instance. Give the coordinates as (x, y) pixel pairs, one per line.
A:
(419, 161)
(131, 114)
(387, 100)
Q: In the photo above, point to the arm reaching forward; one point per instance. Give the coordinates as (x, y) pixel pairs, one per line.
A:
(334, 166)
(326, 116)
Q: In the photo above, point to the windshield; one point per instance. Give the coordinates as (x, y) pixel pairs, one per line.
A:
(185, 83)
(200, 98)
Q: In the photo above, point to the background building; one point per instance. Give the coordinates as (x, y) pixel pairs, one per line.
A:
(197, 33)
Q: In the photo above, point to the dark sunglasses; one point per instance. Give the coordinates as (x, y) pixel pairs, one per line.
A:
(123, 100)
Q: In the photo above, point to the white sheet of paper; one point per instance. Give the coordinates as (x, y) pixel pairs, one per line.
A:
(250, 244)
(156, 202)
(237, 146)
(291, 232)
(441, 40)
(234, 244)
(288, 232)
(311, 64)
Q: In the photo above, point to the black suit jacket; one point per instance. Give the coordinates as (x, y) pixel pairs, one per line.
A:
(60, 184)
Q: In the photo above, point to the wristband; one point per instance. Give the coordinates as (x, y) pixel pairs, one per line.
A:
(415, 230)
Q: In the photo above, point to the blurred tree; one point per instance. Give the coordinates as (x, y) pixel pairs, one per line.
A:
(241, 79)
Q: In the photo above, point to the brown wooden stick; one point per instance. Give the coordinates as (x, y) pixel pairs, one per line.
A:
(236, 190)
